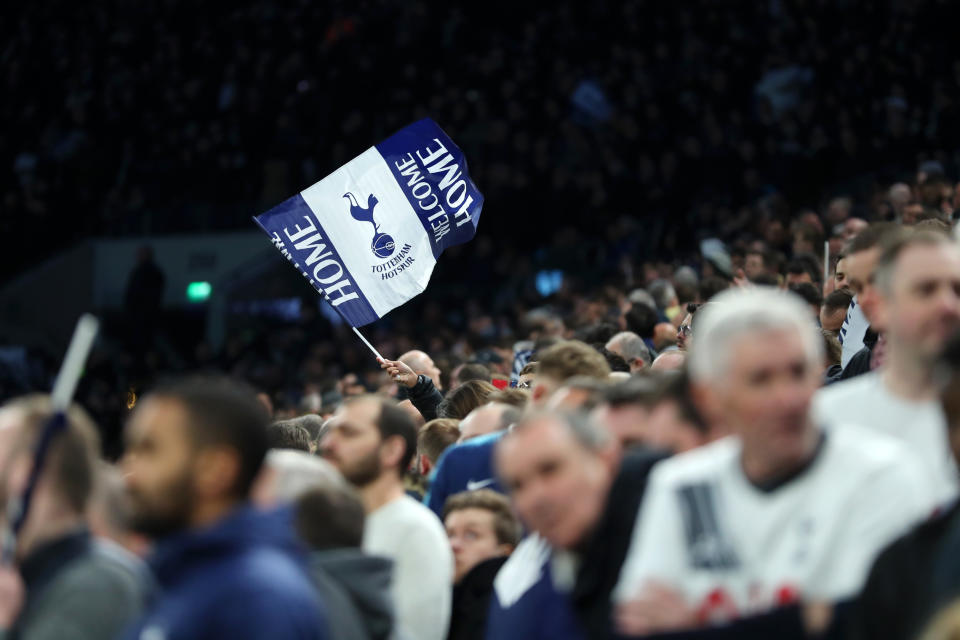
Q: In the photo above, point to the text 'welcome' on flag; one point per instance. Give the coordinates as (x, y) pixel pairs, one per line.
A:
(368, 235)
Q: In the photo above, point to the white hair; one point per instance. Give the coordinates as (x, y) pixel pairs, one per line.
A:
(631, 346)
(739, 313)
(297, 472)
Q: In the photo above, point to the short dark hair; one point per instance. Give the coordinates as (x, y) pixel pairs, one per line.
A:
(473, 371)
(638, 390)
(394, 421)
(600, 332)
(465, 399)
(838, 299)
(695, 313)
(330, 517)
(287, 435)
(614, 360)
(505, 523)
(767, 280)
(641, 319)
(805, 263)
(809, 292)
(227, 413)
(436, 436)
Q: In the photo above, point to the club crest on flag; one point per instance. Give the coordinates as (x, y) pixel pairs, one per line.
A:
(413, 189)
(382, 245)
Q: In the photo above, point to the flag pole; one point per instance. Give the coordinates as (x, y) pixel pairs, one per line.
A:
(826, 262)
(355, 330)
(63, 389)
(369, 346)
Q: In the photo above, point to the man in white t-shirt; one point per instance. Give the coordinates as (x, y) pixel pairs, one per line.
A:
(781, 511)
(916, 286)
(372, 441)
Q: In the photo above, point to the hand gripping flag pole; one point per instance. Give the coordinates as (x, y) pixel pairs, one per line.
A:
(66, 383)
(369, 235)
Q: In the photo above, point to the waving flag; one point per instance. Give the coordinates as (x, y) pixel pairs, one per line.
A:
(368, 235)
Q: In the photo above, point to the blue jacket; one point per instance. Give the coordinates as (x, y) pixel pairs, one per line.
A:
(462, 467)
(525, 604)
(242, 578)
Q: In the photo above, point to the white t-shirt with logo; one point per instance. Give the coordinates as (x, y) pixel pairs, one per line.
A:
(733, 550)
(921, 426)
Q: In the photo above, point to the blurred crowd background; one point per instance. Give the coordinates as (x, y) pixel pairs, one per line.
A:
(611, 139)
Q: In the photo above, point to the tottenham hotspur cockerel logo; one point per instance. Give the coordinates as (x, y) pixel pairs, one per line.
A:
(382, 245)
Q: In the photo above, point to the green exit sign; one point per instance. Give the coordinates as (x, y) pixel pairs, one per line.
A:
(198, 291)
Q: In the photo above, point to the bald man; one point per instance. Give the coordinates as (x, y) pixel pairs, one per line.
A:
(668, 361)
(421, 363)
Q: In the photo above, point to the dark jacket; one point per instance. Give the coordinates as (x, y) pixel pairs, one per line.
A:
(425, 397)
(859, 363)
(471, 601)
(526, 604)
(541, 610)
(901, 590)
(355, 590)
(242, 578)
(81, 588)
(606, 549)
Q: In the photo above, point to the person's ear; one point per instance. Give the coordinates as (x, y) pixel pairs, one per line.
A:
(424, 465)
(391, 452)
(505, 549)
(216, 471)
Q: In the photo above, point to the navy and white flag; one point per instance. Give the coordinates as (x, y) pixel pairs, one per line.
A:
(368, 235)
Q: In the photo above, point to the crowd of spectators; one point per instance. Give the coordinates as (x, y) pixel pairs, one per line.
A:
(159, 117)
(642, 400)
(707, 466)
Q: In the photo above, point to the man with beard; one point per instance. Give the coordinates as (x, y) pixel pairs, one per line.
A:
(371, 441)
(194, 448)
(916, 303)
